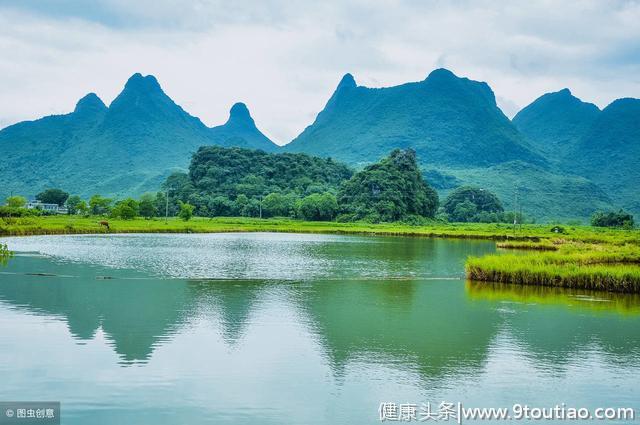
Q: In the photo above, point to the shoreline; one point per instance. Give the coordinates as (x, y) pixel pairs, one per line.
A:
(533, 233)
(583, 257)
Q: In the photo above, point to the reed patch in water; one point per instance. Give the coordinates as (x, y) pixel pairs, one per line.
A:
(607, 268)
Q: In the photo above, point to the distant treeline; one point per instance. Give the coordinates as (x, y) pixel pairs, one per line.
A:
(252, 183)
(242, 182)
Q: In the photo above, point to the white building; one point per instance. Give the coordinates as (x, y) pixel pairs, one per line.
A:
(49, 208)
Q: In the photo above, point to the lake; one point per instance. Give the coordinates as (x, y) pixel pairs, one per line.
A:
(295, 329)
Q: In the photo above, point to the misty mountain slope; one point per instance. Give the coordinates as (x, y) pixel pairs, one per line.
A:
(543, 195)
(240, 131)
(447, 120)
(609, 153)
(555, 122)
(125, 149)
(460, 136)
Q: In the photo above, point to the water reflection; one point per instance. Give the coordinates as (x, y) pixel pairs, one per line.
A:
(333, 342)
(432, 326)
(555, 325)
(135, 313)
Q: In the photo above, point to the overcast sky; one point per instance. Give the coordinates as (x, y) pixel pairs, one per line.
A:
(284, 58)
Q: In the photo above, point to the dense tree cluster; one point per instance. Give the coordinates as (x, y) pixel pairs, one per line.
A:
(250, 183)
(53, 196)
(473, 204)
(612, 219)
(390, 190)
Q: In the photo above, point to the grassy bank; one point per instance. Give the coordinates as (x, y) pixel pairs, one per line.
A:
(56, 225)
(581, 257)
(603, 266)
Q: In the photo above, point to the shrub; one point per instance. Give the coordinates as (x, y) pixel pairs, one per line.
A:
(612, 219)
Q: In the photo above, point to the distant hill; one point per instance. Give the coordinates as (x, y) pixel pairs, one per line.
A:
(241, 131)
(125, 149)
(609, 153)
(461, 137)
(555, 122)
(447, 120)
(562, 157)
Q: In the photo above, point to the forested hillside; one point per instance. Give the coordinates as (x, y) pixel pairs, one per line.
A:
(125, 149)
(234, 181)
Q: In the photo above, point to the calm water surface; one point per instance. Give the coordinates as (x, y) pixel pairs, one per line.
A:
(295, 329)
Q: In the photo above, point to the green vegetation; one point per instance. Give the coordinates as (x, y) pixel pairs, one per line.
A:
(140, 139)
(66, 224)
(555, 122)
(604, 266)
(4, 253)
(127, 209)
(391, 190)
(53, 196)
(543, 245)
(242, 182)
(608, 153)
(186, 211)
(240, 130)
(16, 202)
(473, 204)
(148, 205)
(612, 219)
(447, 120)
(318, 207)
(99, 205)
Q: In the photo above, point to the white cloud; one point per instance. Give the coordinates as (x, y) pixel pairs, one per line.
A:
(284, 59)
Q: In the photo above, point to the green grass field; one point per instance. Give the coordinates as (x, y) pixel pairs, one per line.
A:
(592, 266)
(580, 257)
(50, 225)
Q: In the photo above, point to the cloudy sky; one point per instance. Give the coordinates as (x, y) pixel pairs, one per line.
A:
(284, 58)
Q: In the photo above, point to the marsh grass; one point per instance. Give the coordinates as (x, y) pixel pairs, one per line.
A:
(543, 245)
(586, 266)
(52, 225)
(5, 254)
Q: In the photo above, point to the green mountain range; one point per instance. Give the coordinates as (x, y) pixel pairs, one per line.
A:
(448, 121)
(125, 149)
(461, 138)
(555, 122)
(560, 158)
(602, 146)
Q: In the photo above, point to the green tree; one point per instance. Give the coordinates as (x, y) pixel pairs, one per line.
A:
(147, 206)
(612, 219)
(390, 190)
(220, 206)
(16, 201)
(186, 211)
(100, 205)
(467, 204)
(127, 209)
(318, 206)
(278, 205)
(72, 204)
(82, 208)
(53, 196)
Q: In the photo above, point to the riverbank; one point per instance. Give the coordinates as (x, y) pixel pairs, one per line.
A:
(573, 256)
(61, 225)
(591, 266)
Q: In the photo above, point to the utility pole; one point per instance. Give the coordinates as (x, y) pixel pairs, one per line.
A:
(515, 210)
(520, 213)
(166, 207)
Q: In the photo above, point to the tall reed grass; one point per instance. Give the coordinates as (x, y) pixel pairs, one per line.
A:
(593, 267)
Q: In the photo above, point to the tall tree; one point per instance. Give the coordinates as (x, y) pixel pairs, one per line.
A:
(53, 196)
